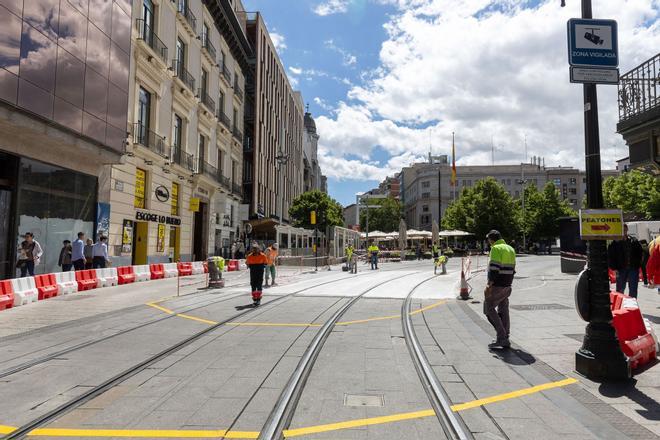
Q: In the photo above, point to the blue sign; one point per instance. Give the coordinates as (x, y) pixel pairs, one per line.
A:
(593, 43)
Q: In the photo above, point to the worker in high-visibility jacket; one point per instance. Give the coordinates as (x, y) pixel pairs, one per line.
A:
(373, 255)
(349, 257)
(501, 268)
(257, 262)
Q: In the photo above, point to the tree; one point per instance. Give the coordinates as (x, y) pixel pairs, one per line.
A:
(542, 209)
(634, 192)
(483, 207)
(328, 211)
(385, 218)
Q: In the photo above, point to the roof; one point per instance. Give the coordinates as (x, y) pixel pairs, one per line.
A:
(310, 125)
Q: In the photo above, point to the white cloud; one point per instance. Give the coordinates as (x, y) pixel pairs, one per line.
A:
(481, 68)
(329, 7)
(295, 70)
(323, 104)
(348, 59)
(278, 41)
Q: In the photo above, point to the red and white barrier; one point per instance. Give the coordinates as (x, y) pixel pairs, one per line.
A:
(170, 270)
(142, 273)
(25, 291)
(636, 337)
(66, 282)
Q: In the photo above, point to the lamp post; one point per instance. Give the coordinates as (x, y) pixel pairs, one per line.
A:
(282, 159)
(522, 182)
(600, 356)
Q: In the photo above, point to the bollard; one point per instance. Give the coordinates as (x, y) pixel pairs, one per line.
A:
(465, 287)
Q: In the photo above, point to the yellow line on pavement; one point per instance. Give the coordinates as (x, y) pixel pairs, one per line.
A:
(6, 429)
(272, 324)
(143, 433)
(360, 321)
(429, 307)
(195, 318)
(161, 308)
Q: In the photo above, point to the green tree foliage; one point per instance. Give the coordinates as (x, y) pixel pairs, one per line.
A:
(483, 207)
(542, 209)
(385, 218)
(636, 193)
(328, 211)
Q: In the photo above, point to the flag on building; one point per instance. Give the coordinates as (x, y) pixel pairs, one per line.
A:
(453, 162)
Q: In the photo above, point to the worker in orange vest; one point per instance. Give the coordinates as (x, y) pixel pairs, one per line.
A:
(271, 254)
(256, 261)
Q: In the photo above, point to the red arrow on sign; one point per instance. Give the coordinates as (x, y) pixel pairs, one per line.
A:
(604, 227)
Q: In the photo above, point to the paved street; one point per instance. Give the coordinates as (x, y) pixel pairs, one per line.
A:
(102, 364)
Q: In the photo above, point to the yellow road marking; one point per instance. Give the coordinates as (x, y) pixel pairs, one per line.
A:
(360, 321)
(429, 307)
(297, 432)
(195, 318)
(161, 308)
(272, 324)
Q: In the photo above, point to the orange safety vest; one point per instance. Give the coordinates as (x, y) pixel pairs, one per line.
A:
(253, 259)
(271, 254)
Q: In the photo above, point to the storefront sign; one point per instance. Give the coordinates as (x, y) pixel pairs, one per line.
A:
(194, 204)
(162, 194)
(140, 184)
(127, 237)
(175, 199)
(119, 186)
(601, 224)
(202, 191)
(157, 218)
(160, 242)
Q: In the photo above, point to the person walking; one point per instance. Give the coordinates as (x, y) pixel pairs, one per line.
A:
(240, 250)
(373, 255)
(349, 257)
(78, 252)
(256, 262)
(418, 252)
(88, 253)
(501, 268)
(30, 253)
(100, 253)
(65, 260)
(625, 257)
(271, 255)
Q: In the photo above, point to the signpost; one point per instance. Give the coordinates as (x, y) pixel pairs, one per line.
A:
(315, 248)
(593, 51)
(601, 224)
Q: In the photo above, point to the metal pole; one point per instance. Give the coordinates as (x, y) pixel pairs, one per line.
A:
(316, 249)
(600, 356)
(522, 173)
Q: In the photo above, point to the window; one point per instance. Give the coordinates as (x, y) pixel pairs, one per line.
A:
(503, 181)
(222, 60)
(201, 148)
(205, 83)
(572, 181)
(148, 17)
(175, 199)
(220, 159)
(235, 118)
(517, 194)
(572, 191)
(221, 103)
(557, 181)
(140, 185)
(425, 208)
(144, 115)
(177, 136)
(584, 180)
(508, 182)
(233, 172)
(426, 184)
(180, 56)
(205, 34)
(426, 195)
(536, 181)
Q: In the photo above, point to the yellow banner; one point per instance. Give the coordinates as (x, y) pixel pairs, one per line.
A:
(601, 224)
(194, 204)
(140, 184)
(160, 242)
(313, 217)
(175, 199)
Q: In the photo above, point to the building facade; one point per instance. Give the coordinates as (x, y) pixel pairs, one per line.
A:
(64, 86)
(177, 195)
(313, 179)
(273, 171)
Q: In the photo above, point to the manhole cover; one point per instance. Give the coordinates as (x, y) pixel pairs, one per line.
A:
(540, 307)
(74, 297)
(364, 400)
(577, 336)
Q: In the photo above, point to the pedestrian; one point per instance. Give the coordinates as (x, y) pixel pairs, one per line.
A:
(241, 250)
(349, 257)
(65, 260)
(645, 260)
(501, 268)
(373, 253)
(625, 257)
(233, 250)
(78, 252)
(271, 255)
(88, 253)
(418, 252)
(256, 261)
(100, 253)
(30, 253)
(653, 265)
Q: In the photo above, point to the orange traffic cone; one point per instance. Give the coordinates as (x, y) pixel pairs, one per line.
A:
(465, 288)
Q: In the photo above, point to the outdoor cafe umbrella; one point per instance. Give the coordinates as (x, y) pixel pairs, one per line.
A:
(454, 233)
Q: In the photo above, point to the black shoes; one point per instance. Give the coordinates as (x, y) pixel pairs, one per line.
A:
(500, 345)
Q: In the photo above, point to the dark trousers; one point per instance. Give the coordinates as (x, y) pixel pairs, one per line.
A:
(496, 309)
(66, 267)
(257, 277)
(98, 263)
(79, 264)
(27, 268)
(374, 261)
(627, 276)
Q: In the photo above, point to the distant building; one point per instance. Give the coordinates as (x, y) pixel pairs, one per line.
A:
(390, 186)
(312, 176)
(623, 165)
(351, 218)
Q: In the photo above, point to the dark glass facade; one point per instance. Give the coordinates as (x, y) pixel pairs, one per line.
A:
(68, 61)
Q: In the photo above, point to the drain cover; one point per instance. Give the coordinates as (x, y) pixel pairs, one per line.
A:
(540, 307)
(364, 400)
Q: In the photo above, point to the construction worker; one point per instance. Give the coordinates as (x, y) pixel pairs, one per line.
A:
(271, 254)
(349, 257)
(501, 268)
(256, 261)
(373, 253)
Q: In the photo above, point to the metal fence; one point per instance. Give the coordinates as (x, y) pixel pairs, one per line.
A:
(639, 89)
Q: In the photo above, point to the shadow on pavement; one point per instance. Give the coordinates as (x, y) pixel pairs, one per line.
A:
(514, 356)
(246, 306)
(629, 389)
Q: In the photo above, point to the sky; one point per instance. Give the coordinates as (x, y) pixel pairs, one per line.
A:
(387, 80)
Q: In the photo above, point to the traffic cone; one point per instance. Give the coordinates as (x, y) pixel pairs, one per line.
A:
(465, 288)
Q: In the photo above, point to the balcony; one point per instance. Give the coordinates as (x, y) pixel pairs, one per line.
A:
(150, 140)
(224, 119)
(203, 167)
(206, 100)
(639, 89)
(224, 181)
(208, 47)
(238, 92)
(181, 73)
(147, 34)
(238, 134)
(183, 159)
(237, 189)
(225, 73)
(186, 13)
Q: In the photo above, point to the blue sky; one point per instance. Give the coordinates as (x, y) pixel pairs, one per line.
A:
(386, 78)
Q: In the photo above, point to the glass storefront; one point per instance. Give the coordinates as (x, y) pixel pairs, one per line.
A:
(54, 204)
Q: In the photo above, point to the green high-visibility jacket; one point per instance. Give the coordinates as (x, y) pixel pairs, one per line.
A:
(373, 248)
(502, 264)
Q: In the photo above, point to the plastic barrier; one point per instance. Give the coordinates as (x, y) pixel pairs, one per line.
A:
(232, 265)
(66, 281)
(612, 275)
(107, 277)
(634, 338)
(197, 268)
(184, 269)
(142, 273)
(170, 270)
(6, 295)
(86, 279)
(125, 275)
(46, 286)
(616, 299)
(206, 266)
(25, 291)
(157, 271)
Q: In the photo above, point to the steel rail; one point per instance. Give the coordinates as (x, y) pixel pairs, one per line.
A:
(282, 413)
(25, 429)
(452, 424)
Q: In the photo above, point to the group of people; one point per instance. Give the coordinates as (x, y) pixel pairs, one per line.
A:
(628, 257)
(238, 250)
(262, 268)
(80, 254)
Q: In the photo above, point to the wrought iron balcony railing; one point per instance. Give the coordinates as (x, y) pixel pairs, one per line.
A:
(208, 46)
(180, 72)
(183, 159)
(183, 9)
(206, 100)
(147, 138)
(224, 119)
(639, 89)
(237, 90)
(203, 167)
(238, 134)
(237, 189)
(147, 34)
(225, 73)
(224, 181)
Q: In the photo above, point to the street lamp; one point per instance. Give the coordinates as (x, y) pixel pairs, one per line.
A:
(600, 356)
(523, 182)
(282, 159)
